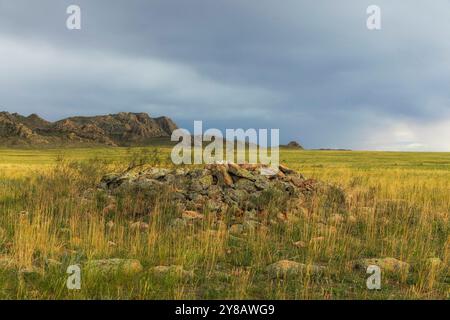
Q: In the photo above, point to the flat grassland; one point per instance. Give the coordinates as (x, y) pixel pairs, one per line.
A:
(52, 216)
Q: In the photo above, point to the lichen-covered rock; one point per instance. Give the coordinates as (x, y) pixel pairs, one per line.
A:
(139, 226)
(217, 186)
(388, 264)
(115, 265)
(192, 215)
(286, 268)
(173, 270)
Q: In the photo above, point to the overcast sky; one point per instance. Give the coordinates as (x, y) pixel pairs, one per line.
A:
(310, 68)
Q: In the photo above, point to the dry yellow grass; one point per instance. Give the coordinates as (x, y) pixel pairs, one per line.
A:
(397, 205)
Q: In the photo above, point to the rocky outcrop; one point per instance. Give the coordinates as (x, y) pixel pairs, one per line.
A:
(294, 145)
(217, 187)
(122, 129)
(14, 129)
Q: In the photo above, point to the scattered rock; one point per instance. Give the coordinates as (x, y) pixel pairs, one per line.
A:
(139, 226)
(192, 215)
(175, 270)
(285, 268)
(286, 170)
(300, 244)
(115, 265)
(391, 265)
(240, 172)
(110, 225)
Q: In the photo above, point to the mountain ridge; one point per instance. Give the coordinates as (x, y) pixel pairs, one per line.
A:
(120, 129)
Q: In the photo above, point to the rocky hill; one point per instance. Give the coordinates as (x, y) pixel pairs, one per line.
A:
(293, 145)
(122, 129)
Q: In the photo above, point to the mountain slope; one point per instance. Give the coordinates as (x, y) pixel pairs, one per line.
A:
(122, 129)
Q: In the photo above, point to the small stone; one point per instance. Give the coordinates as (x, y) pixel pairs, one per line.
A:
(386, 264)
(300, 244)
(285, 169)
(222, 176)
(298, 182)
(206, 181)
(192, 215)
(175, 270)
(285, 268)
(246, 185)
(267, 171)
(126, 266)
(237, 171)
(110, 225)
(261, 183)
(139, 226)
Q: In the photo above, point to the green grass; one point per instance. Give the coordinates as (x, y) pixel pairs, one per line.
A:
(397, 205)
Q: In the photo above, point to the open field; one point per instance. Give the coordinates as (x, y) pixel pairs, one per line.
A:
(396, 205)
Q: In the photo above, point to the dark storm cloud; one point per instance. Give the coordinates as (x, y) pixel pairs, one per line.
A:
(311, 69)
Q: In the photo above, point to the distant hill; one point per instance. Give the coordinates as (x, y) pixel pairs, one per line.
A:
(293, 145)
(122, 129)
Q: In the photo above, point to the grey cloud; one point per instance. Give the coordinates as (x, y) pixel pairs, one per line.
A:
(311, 69)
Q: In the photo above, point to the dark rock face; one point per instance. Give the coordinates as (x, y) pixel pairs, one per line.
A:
(124, 128)
(218, 187)
(294, 145)
(13, 127)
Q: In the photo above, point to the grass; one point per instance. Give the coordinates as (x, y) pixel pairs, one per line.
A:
(51, 216)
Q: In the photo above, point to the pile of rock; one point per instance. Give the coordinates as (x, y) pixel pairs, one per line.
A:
(217, 187)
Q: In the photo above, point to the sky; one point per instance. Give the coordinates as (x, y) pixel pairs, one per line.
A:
(309, 68)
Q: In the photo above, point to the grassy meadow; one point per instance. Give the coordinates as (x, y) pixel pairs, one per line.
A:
(52, 216)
